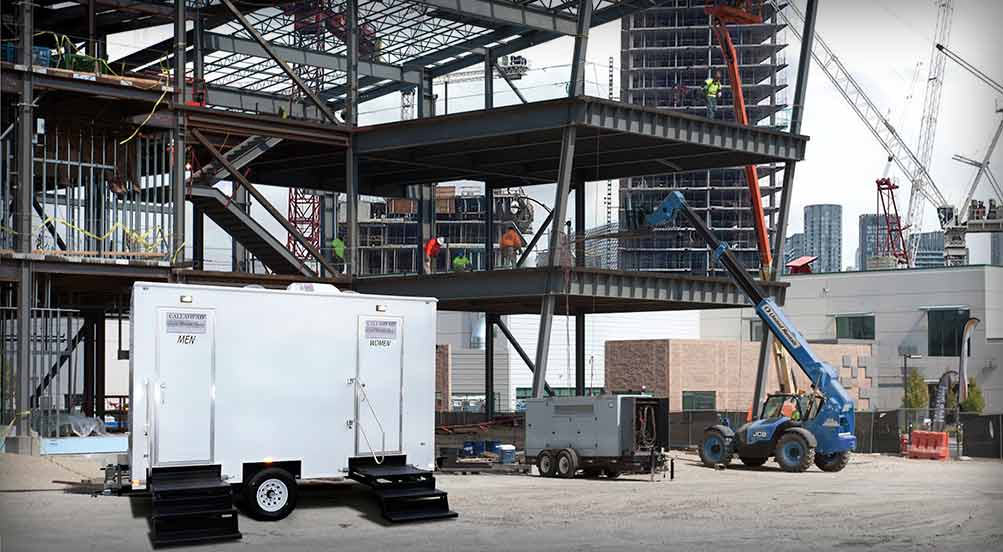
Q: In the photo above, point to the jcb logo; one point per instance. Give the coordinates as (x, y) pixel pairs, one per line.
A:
(759, 435)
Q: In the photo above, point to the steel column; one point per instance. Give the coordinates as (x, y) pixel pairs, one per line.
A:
(22, 443)
(90, 368)
(178, 152)
(565, 165)
(797, 112)
(198, 239)
(580, 261)
(489, 227)
(489, 364)
(99, 362)
(239, 261)
(351, 113)
(489, 79)
(425, 192)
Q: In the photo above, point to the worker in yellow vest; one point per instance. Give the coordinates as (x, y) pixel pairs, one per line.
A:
(713, 89)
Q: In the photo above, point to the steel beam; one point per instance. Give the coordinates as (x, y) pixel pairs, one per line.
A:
(279, 217)
(535, 240)
(320, 104)
(312, 58)
(521, 352)
(503, 13)
(179, 152)
(565, 165)
(797, 113)
(489, 80)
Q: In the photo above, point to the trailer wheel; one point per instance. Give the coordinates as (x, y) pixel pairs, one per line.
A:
(832, 462)
(567, 463)
(270, 495)
(794, 453)
(546, 464)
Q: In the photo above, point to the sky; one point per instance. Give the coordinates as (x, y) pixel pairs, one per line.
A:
(880, 41)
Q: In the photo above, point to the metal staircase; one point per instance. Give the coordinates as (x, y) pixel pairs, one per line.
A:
(255, 238)
(239, 156)
(406, 493)
(191, 504)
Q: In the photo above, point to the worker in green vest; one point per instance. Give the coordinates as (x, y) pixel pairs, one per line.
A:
(461, 263)
(712, 87)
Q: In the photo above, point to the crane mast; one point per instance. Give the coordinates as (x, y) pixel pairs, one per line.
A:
(928, 124)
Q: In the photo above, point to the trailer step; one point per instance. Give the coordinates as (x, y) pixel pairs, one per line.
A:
(405, 492)
(191, 504)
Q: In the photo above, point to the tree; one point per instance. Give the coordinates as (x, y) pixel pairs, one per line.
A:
(916, 393)
(975, 402)
(952, 399)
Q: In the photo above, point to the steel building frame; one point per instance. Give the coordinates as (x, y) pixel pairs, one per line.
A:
(239, 55)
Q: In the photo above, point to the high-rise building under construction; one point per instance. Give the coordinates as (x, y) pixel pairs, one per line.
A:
(667, 53)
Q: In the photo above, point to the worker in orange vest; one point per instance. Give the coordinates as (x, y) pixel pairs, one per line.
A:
(431, 250)
(511, 245)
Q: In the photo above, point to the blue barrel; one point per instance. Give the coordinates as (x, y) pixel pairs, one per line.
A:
(473, 448)
(492, 446)
(506, 454)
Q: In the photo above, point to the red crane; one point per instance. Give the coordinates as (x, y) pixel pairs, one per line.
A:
(892, 243)
(742, 12)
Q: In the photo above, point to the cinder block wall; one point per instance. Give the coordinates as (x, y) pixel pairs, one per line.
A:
(667, 367)
(443, 377)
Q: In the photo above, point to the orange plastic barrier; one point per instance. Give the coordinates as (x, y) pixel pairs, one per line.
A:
(931, 445)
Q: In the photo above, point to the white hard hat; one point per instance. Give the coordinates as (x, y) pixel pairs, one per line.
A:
(441, 241)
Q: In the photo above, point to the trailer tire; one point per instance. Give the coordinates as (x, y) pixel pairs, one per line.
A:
(794, 453)
(832, 462)
(567, 463)
(546, 464)
(270, 495)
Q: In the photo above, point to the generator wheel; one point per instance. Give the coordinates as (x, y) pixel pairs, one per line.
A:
(567, 463)
(752, 462)
(794, 453)
(546, 464)
(715, 449)
(832, 462)
(270, 495)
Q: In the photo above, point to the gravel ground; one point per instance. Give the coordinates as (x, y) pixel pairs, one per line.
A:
(877, 503)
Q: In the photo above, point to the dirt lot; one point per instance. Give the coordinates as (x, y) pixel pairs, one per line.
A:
(877, 503)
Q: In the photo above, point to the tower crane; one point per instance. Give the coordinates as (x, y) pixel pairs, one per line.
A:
(894, 144)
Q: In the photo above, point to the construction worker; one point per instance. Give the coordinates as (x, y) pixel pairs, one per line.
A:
(431, 250)
(511, 245)
(461, 263)
(712, 89)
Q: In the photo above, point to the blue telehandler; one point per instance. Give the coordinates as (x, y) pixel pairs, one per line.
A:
(797, 429)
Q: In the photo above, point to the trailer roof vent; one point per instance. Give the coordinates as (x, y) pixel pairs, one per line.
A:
(310, 287)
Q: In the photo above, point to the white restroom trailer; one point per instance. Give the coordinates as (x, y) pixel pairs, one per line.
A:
(303, 383)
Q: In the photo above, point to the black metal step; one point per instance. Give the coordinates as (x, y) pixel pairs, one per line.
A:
(191, 504)
(406, 493)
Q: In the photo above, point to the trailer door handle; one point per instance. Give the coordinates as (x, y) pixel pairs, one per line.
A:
(163, 393)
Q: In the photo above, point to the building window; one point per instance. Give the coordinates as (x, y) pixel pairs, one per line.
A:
(755, 330)
(855, 327)
(944, 333)
(699, 400)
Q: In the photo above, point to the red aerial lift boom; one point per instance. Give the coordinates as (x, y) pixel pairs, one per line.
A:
(742, 12)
